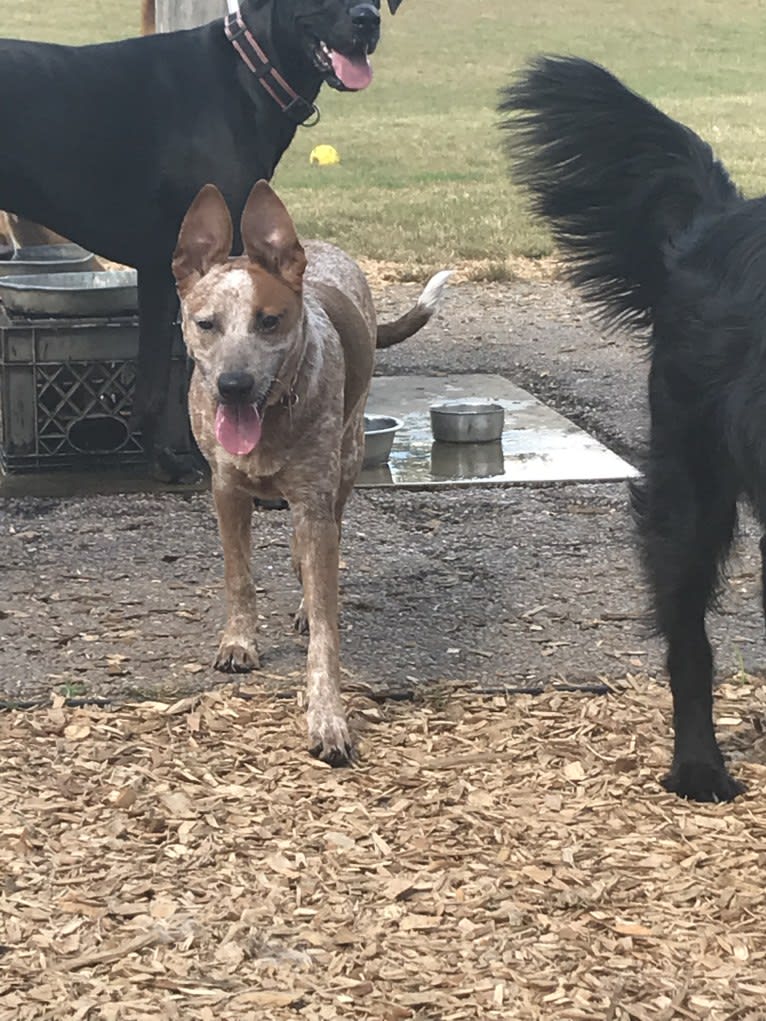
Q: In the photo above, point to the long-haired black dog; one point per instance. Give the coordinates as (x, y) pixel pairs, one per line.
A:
(656, 235)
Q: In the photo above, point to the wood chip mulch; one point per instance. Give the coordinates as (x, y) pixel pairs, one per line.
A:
(490, 858)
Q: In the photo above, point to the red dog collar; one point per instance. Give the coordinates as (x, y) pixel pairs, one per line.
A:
(287, 99)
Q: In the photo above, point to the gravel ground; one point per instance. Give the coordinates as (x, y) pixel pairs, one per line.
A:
(114, 596)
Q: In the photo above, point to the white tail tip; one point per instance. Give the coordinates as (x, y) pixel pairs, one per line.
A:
(433, 291)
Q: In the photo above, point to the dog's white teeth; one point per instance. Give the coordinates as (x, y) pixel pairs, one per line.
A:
(323, 55)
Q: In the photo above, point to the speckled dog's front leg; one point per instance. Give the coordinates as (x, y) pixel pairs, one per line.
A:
(238, 651)
(316, 545)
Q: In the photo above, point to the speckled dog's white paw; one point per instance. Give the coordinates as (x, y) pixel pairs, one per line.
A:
(329, 737)
(237, 655)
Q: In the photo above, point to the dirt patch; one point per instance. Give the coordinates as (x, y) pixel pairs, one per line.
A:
(517, 268)
(489, 859)
(121, 595)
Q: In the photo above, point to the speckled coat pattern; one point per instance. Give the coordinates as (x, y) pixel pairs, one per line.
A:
(312, 376)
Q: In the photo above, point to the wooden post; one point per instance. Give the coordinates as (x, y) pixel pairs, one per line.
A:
(174, 14)
(147, 17)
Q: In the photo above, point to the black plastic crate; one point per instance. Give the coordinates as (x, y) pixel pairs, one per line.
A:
(66, 394)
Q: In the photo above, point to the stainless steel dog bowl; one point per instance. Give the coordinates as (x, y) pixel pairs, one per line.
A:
(467, 421)
(71, 294)
(62, 258)
(379, 432)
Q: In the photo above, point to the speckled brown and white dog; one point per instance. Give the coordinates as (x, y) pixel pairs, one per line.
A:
(283, 341)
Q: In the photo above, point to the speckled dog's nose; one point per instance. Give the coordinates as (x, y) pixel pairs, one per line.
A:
(236, 387)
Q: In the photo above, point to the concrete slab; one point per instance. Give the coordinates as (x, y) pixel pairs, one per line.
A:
(538, 444)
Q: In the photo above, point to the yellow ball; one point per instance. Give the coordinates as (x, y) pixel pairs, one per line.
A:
(324, 156)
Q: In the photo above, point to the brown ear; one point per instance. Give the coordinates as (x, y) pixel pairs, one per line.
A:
(393, 5)
(269, 237)
(205, 238)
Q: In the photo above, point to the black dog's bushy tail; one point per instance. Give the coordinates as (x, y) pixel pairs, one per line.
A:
(616, 179)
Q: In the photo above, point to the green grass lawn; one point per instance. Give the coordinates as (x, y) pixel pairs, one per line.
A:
(422, 182)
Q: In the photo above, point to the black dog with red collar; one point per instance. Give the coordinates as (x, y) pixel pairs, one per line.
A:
(287, 99)
(109, 144)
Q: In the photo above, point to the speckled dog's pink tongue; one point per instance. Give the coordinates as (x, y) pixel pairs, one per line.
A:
(355, 72)
(237, 427)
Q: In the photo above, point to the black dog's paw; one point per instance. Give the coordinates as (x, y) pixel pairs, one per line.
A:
(702, 781)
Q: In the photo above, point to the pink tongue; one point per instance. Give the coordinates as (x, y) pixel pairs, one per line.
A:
(354, 72)
(237, 427)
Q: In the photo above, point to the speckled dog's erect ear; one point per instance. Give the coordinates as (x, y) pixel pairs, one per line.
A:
(393, 5)
(269, 236)
(205, 238)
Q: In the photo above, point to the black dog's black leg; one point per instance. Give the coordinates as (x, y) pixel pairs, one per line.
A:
(762, 545)
(158, 310)
(686, 516)
(698, 770)
(157, 305)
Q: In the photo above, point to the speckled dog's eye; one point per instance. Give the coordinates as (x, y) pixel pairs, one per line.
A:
(205, 324)
(268, 323)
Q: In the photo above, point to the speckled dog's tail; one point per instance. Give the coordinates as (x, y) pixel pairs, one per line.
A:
(417, 317)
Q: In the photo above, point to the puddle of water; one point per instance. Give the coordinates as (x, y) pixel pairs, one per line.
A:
(537, 445)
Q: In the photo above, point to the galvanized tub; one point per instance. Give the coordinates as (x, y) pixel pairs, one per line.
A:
(107, 293)
(64, 258)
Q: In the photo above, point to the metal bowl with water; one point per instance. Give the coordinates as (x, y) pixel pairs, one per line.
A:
(467, 421)
(379, 432)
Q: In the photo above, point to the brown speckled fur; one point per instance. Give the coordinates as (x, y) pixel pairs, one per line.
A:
(312, 379)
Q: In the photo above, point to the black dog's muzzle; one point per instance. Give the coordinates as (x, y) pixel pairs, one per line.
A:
(366, 22)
